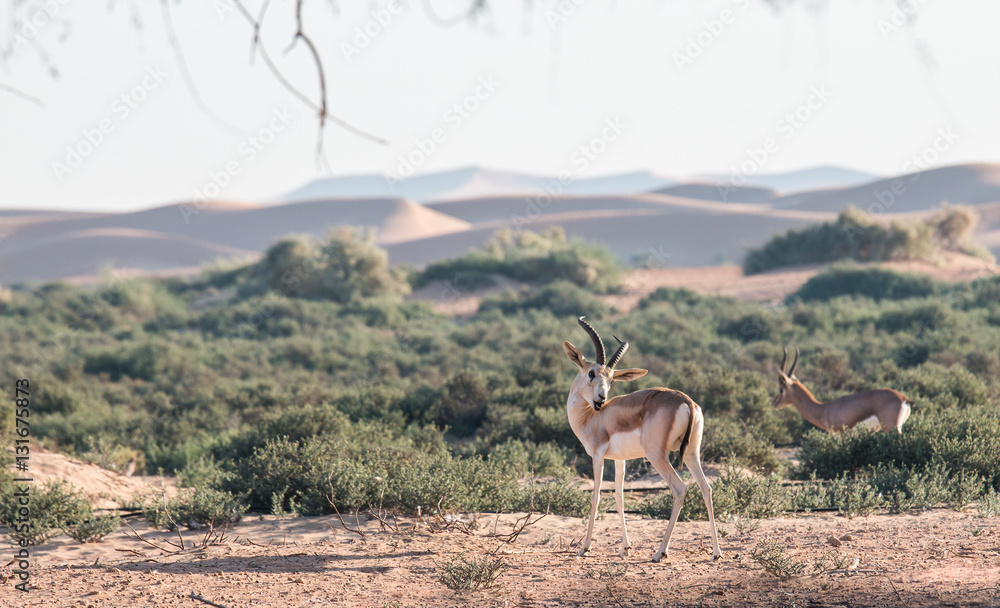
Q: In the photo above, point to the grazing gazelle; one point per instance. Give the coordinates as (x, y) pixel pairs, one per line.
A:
(883, 406)
(649, 423)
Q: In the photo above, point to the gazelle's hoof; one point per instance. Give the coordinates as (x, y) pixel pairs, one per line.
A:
(716, 557)
(583, 552)
(657, 557)
(625, 552)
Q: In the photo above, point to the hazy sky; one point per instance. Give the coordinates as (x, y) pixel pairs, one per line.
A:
(691, 87)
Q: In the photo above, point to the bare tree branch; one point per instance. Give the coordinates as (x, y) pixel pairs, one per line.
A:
(21, 94)
(168, 24)
(300, 35)
(321, 108)
(475, 7)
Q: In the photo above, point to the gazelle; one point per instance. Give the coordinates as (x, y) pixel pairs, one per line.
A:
(883, 406)
(649, 423)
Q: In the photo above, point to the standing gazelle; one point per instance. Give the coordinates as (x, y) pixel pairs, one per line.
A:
(649, 423)
(882, 406)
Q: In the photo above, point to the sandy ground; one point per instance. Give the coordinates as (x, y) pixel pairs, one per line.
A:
(939, 558)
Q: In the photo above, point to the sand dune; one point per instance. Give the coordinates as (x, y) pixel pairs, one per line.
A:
(91, 251)
(971, 184)
(722, 192)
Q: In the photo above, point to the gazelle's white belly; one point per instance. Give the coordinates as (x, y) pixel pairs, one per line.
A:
(871, 422)
(625, 446)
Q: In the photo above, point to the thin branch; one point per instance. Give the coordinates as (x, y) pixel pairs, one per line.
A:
(256, 29)
(204, 601)
(21, 94)
(475, 7)
(301, 35)
(321, 109)
(168, 24)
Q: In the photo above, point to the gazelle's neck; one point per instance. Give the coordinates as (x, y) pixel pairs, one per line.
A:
(577, 407)
(808, 406)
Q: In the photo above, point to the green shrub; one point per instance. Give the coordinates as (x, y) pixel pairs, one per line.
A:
(855, 495)
(875, 283)
(195, 507)
(468, 574)
(955, 439)
(989, 504)
(561, 298)
(856, 235)
(532, 258)
(561, 496)
(345, 266)
(94, 529)
(726, 438)
(770, 555)
(52, 507)
(735, 494)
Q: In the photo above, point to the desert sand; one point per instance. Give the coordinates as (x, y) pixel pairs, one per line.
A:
(938, 558)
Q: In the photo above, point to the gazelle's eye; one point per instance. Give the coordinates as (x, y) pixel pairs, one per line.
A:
(591, 374)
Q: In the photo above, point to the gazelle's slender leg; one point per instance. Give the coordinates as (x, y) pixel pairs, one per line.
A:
(598, 478)
(693, 463)
(678, 489)
(626, 549)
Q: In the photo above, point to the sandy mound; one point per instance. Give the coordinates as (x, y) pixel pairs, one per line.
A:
(722, 192)
(106, 489)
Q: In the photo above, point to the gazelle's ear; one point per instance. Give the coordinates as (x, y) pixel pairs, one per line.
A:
(575, 355)
(624, 375)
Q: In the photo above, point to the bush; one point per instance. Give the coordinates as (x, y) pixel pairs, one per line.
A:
(94, 529)
(468, 574)
(875, 283)
(963, 440)
(533, 258)
(857, 236)
(735, 494)
(770, 555)
(345, 266)
(195, 507)
(561, 298)
(53, 506)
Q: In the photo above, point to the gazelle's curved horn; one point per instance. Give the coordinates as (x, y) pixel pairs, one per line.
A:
(791, 372)
(598, 344)
(622, 347)
(784, 360)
